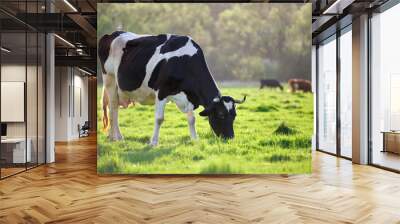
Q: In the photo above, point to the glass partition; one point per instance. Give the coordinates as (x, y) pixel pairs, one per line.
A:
(22, 100)
(13, 95)
(327, 96)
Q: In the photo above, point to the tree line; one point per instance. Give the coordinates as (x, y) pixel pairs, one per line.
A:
(240, 41)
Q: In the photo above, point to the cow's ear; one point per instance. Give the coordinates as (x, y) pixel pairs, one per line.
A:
(205, 112)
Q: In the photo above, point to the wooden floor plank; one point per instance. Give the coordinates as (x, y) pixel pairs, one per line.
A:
(70, 191)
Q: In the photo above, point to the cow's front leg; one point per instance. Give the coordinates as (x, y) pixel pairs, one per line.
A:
(191, 121)
(114, 133)
(159, 118)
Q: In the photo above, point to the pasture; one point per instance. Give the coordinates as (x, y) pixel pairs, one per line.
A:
(273, 132)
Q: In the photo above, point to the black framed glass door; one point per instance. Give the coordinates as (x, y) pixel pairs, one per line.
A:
(334, 93)
(327, 95)
(22, 77)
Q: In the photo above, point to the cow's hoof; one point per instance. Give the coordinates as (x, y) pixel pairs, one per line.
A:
(115, 137)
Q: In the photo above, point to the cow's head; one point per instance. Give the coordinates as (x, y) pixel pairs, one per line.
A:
(221, 114)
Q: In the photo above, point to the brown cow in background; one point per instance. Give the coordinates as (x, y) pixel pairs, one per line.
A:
(299, 85)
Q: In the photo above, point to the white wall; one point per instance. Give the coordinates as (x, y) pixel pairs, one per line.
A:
(70, 83)
(79, 117)
(16, 73)
(61, 103)
(33, 126)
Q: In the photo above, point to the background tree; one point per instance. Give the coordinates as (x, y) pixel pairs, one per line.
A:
(240, 41)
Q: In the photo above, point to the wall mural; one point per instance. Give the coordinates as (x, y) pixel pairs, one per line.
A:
(204, 88)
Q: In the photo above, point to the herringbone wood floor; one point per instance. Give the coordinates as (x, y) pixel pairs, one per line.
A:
(70, 191)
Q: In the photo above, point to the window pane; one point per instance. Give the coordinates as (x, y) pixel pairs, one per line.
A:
(327, 96)
(23, 89)
(14, 153)
(346, 93)
(386, 88)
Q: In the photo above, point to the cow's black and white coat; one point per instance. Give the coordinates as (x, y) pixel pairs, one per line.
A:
(157, 69)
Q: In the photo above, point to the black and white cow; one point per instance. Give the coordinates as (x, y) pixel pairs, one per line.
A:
(157, 69)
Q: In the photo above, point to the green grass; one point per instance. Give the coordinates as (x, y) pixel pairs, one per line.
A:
(272, 135)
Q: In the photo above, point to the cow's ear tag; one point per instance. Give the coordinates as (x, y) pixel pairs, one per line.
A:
(216, 100)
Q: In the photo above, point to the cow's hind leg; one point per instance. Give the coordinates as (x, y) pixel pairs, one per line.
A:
(191, 121)
(111, 86)
(159, 118)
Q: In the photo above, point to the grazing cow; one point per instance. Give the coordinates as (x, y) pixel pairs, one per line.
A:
(157, 69)
(299, 84)
(271, 83)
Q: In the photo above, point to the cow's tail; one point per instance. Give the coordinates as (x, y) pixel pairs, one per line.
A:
(105, 111)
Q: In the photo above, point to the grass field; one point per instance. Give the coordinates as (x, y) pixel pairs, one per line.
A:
(273, 132)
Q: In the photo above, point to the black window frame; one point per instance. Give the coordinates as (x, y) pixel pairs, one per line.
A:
(30, 29)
